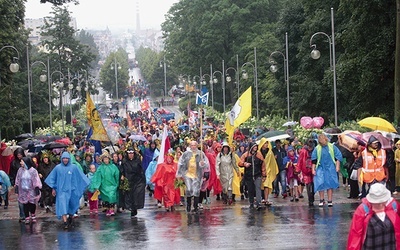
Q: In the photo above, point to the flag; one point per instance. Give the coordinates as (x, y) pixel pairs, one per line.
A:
(202, 99)
(165, 146)
(145, 105)
(94, 120)
(240, 112)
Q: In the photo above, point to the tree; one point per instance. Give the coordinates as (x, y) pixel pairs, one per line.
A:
(117, 59)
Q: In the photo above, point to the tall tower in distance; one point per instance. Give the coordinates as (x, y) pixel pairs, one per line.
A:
(137, 18)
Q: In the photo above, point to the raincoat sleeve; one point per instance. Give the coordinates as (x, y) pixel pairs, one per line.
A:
(217, 164)
(357, 229)
(96, 180)
(36, 179)
(206, 166)
(5, 179)
(234, 162)
(51, 179)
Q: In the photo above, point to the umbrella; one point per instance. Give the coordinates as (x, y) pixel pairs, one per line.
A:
(52, 145)
(273, 135)
(65, 141)
(291, 123)
(25, 144)
(137, 138)
(111, 149)
(332, 131)
(350, 140)
(9, 150)
(23, 136)
(385, 142)
(377, 123)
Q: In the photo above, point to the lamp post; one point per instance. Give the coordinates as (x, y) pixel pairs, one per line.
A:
(315, 54)
(164, 64)
(42, 78)
(274, 68)
(60, 85)
(116, 66)
(215, 80)
(14, 67)
(246, 76)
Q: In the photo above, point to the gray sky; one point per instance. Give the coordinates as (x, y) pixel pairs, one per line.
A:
(115, 14)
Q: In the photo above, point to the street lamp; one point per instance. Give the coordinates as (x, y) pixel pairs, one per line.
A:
(42, 78)
(14, 67)
(60, 85)
(165, 75)
(274, 68)
(246, 76)
(315, 54)
(115, 66)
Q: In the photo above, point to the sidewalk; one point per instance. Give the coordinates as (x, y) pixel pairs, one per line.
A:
(339, 197)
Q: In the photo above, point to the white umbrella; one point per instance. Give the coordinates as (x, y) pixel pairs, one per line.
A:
(10, 150)
(291, 123)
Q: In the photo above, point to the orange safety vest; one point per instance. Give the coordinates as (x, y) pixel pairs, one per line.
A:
(373, 167)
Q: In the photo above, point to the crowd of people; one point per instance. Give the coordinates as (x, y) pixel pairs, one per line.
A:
(196, 166)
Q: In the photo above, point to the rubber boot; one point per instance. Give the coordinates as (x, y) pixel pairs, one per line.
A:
(188, 204)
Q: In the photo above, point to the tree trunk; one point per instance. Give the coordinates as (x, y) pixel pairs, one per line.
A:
(397, 68)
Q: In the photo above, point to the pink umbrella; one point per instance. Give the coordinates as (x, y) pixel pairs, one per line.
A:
(385, 142)
(350, 140)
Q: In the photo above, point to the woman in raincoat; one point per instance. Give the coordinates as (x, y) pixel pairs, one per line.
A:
(151, 169)
(164, 179)
(133, 171)
(27, 186)
(106, 180)
(5, 184)
(225, 167)
(271, 167)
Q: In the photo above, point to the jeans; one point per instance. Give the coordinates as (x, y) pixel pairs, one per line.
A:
(254, 189)
(281, 177)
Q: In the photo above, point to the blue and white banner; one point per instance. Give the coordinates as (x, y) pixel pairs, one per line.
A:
(202, 99)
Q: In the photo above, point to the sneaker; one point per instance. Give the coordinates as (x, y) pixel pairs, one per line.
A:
(230, 201)
(181, 204)
(200, 206)
(66, 225)
(268, 203)
(284, 195)
(167, 209)
(112, 213)
(291, 199)
(91, 212)
(69, 221)
(301, 196)
(242, 197)
(76, 215)
(204, 201)
(21, 220)
(296, 199)
(48, 209)
(33, 216)
(395, 192)
(96, 211)
(133, 213)
(27, 220)
(330, 204)
(321, 203)
(208, 200)
(159, 205)
(108, 214)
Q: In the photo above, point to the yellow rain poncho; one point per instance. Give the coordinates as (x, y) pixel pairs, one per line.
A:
(271, 167)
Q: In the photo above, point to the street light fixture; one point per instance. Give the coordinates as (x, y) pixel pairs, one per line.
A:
(60, 85)
(14, 66)
(42, 78)
(274, 68)
(116, 66)
(165, 75)
(315, 54)
(246, 76)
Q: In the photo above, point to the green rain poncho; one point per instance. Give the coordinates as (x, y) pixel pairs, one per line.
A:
(106, 180)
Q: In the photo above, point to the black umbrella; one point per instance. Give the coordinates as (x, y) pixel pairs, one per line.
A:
(23, 136)
(28, 143)
(52, 145)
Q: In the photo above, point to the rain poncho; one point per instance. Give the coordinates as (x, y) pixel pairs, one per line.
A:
(70, 183)
(193, 180)
(271, 166)
(27, 180)
(151, 169)
(133, 171)
(164, 178)
(106, 180)
(326, 176)
(4, 182)
(226, 164)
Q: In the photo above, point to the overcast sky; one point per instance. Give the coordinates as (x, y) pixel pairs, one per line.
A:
(115, 14)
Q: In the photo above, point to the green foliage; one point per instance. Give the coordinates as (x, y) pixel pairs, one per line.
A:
(57, 129)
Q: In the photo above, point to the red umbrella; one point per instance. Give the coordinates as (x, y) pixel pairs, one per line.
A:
(385, 142)
(65, 141)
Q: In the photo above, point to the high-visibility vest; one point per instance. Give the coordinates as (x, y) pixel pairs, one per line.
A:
(373, 167)
(319, 153)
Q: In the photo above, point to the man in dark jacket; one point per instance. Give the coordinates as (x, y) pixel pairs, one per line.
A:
(254, 173)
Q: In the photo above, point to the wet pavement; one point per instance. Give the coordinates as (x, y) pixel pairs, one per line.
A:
(284, 225)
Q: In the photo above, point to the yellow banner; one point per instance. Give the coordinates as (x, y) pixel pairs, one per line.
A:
(240, 112)
(94, 120)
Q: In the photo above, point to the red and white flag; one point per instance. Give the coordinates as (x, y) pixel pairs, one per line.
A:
(165, 146)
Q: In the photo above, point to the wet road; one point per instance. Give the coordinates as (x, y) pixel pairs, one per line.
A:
(217, 226)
